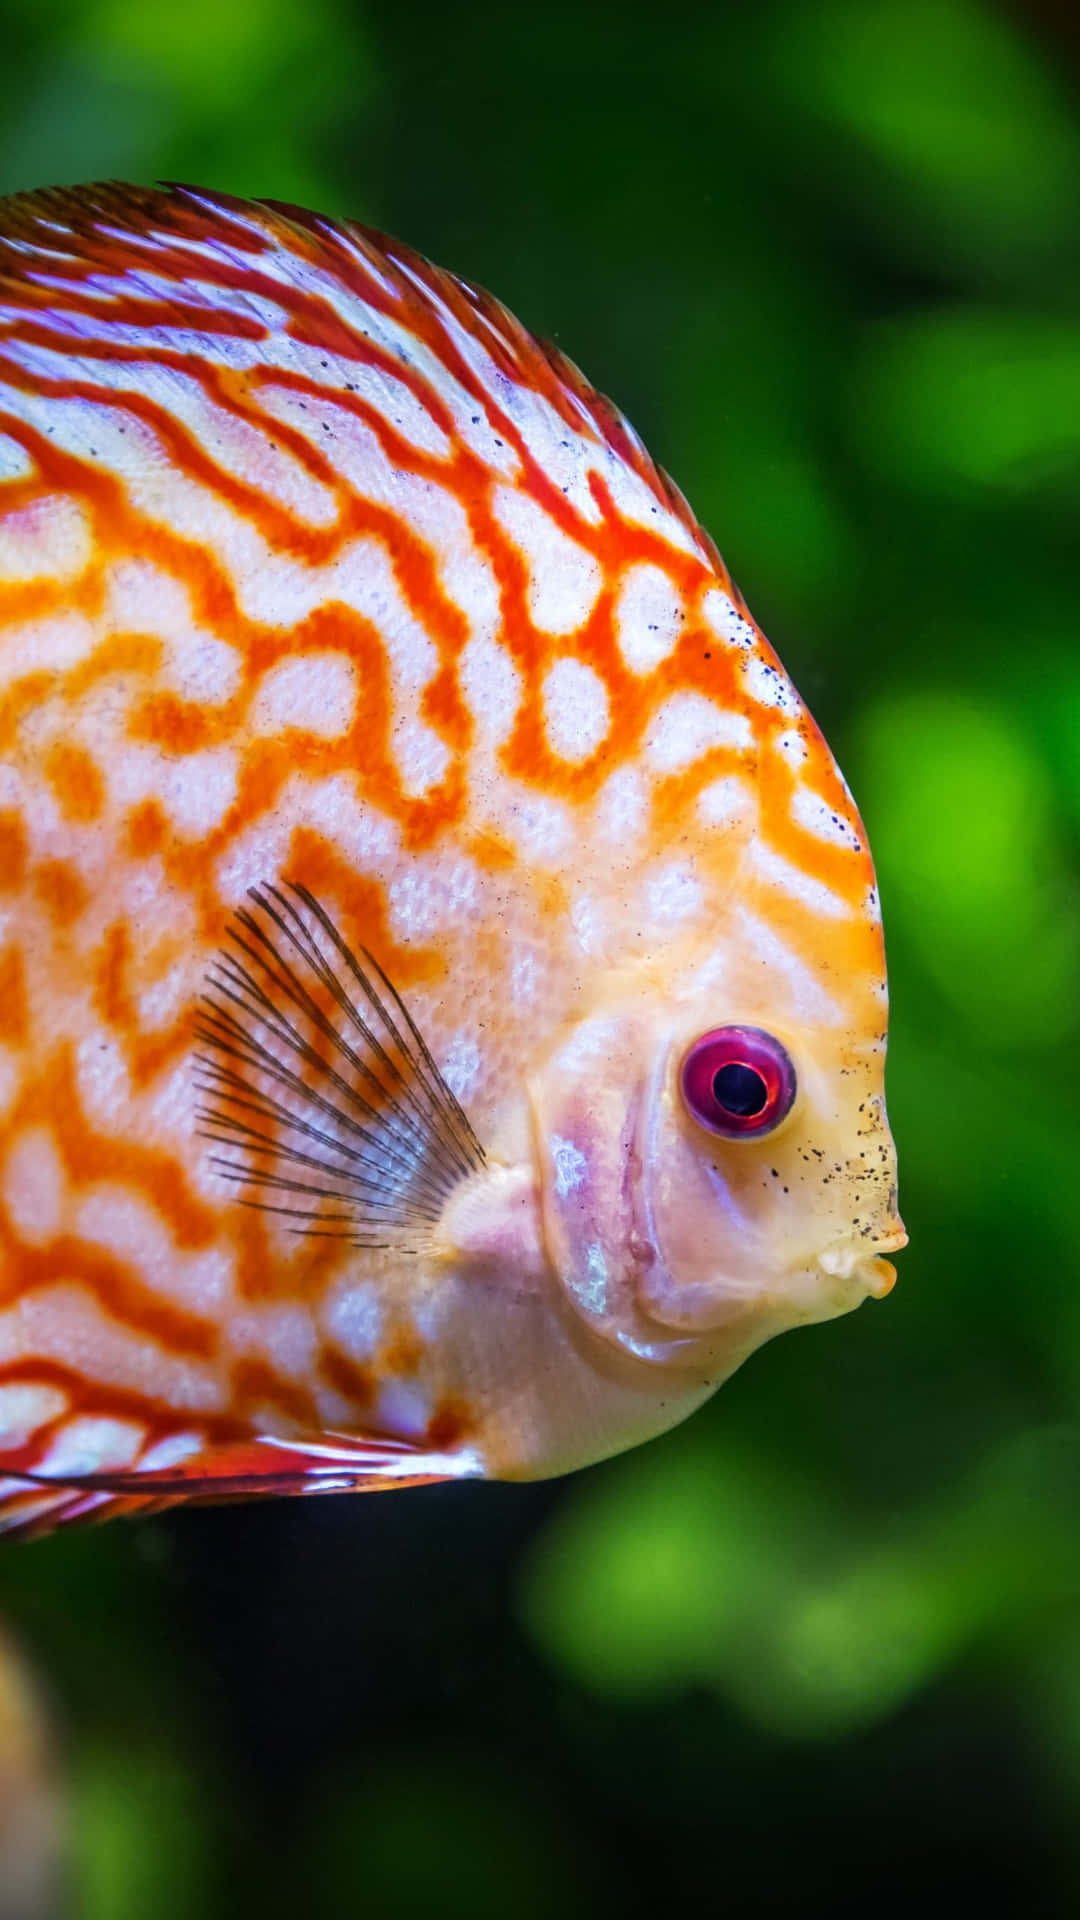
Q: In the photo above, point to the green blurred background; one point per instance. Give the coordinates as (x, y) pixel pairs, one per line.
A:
(821, 1647)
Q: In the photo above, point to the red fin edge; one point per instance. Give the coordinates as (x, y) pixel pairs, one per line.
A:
(34, 1504)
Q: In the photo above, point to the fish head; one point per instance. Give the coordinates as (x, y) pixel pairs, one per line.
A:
(717, 1164)
(767, 1176)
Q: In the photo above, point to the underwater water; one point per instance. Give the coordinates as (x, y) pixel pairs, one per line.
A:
(821, 1646)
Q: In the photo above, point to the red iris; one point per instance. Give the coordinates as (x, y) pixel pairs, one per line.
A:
(738, 1081)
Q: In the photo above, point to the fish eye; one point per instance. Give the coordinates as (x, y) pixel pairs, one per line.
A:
(738, 1081)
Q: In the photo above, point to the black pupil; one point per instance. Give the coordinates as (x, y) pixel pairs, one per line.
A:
(739, 1089)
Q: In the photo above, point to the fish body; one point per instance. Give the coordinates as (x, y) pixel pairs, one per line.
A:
(442, 989)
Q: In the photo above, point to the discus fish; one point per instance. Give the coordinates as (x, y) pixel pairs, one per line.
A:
(442, 988)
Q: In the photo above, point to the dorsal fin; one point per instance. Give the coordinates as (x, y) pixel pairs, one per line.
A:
(209, 258)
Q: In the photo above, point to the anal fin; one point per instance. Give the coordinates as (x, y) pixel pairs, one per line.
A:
(37, 1503)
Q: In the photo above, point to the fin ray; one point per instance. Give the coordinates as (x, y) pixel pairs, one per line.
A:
(311, 1064)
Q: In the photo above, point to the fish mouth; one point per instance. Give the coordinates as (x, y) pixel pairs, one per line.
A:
(865, 1265)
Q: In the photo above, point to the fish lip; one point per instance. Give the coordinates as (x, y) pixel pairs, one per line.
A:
(878, 1277)
(892, 1242)
(864, 1264)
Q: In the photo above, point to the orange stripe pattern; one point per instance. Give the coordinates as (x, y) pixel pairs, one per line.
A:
(314, 563)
